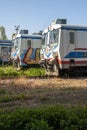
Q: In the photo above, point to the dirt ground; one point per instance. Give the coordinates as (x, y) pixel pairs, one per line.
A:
(25, 92)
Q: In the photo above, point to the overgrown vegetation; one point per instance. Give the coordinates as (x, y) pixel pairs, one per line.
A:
(29, 103)
(46, 118)
(12, 72)
(2, 33)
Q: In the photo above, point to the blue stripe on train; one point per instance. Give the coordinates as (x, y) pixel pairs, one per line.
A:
(74, 28)
(76, 55)
(1, 44)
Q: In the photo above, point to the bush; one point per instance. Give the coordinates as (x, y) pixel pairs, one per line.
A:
(46, 118)
(34, 72)
(12, 72)
(8, 72)
(37, 125)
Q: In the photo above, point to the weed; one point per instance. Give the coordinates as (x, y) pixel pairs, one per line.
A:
(12, 72)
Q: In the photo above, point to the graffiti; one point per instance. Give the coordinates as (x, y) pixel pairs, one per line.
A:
(32, 55)
(5, 57)
(5, 53)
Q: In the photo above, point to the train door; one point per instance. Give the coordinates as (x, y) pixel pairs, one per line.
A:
(71, 40)
(71, 47)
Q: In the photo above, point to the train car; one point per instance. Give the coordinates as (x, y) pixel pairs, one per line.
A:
(5, 50)
(64, 49)
(26, 49)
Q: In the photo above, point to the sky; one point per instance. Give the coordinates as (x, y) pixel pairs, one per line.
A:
(36, 15)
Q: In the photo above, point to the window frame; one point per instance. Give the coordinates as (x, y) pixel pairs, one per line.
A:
(72, 37)
(54, 41)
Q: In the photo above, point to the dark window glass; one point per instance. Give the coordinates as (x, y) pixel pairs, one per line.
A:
(28, 43)
(71, 36)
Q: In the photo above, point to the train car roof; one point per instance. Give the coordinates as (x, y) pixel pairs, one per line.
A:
(5, 41)
(28, 36)
(66, 27)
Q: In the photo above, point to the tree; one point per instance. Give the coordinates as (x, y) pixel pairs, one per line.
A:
(39, 33)
(2, 33)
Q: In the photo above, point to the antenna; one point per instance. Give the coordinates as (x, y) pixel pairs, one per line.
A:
(17, 28)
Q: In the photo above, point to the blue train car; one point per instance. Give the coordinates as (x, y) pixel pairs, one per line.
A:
(5, 50)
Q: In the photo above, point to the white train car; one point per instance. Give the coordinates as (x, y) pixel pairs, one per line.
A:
(5, 50)
(65, 48)
(26, 49)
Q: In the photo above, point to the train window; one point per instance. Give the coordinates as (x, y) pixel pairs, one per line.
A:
(29, 43)
(71, 37)
(53, 37)
(43, 41)
(16, 43)
(47, 38)
(10, 48)
(4, 50)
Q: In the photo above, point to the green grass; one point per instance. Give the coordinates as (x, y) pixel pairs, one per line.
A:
(14, 97)
(12, 72)
(2, 91)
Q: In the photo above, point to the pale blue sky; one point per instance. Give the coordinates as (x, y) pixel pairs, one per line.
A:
(36, 15)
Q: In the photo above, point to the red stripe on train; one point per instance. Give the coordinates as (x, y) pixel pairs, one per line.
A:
(80, 49)
(68, 62)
